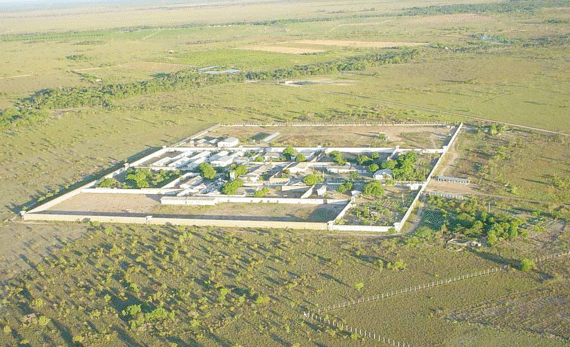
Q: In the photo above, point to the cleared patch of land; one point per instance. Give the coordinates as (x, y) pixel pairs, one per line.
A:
(138, 204)
(283, 49)
(342, 136)
(361, 44)
(450, 18)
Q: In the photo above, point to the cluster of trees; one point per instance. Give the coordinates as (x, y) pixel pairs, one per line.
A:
(32, 108)
(404, 167)
(141, 178)
(354, 63)
(495, 7)
(471, 219)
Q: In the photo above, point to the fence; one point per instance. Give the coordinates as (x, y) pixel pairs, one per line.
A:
(333, 124)
(362, 332)
(401, 224)
(412, 289)
(446, 195)
(343, 327)
(180, 200)
(228, 223)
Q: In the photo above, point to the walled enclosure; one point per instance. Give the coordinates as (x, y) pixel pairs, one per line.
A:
(172, 195)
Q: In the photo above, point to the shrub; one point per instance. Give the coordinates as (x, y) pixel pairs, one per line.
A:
(312, 179)
(231, 188)
(261, 193)
(374, 189)
(526, 265)
(207, 171)
(345, 187)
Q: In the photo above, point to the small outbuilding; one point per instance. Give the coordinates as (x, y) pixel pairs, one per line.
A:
(383, 174)
(229, 142)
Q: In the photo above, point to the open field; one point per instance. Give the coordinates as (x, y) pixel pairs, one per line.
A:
(342, 136)
(282, 49)
(137, 205)
(360, 44)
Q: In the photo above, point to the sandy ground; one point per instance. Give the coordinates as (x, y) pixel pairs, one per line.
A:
(371, 44)
(342, 136)
(450, 18)
(112, 203)
(282, 49)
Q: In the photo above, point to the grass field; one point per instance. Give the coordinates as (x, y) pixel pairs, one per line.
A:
(496, 60)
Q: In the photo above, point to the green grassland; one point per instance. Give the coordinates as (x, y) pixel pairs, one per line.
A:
(496, 60)
(208, 288)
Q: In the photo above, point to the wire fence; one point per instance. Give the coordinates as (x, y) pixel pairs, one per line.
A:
(411, 289)
(353, 330)
(335, 323)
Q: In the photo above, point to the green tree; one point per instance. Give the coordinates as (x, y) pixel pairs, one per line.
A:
(358, 286)
(261, 193)
(492, 238)
(389, 164)
(300, 158)
(372, 168)
(207, 171)
(312, 179)
(231, 188)
(337, 157)
(289, 152)
(345, 187)
(526, 265)
(374, 189)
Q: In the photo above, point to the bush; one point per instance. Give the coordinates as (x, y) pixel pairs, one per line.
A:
(526, 265)
(207, 171)
(345, 187)
(231, 188)
(372, 168)
(374, 189)
(300, 158)
(312, 179)
(261, 193)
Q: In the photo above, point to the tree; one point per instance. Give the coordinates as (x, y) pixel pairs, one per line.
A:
(231, 188)
(300, 158)
(492, 238)
(239, 170)
(289, 152)
(374, 189)
(345, 187)
(358, 286)
(109, 182)
(353, 175)
(207, 171)
(363, 159)
(261, 193)
(526, 265)
(389, 164)
(312, 179)
(372, 168)
(337, 157)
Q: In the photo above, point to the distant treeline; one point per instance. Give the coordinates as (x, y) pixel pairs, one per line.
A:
(494, 7)
(353, 63)
(34, 108)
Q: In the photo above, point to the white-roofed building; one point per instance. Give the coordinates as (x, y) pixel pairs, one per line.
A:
(229, 142)
(383, 174)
